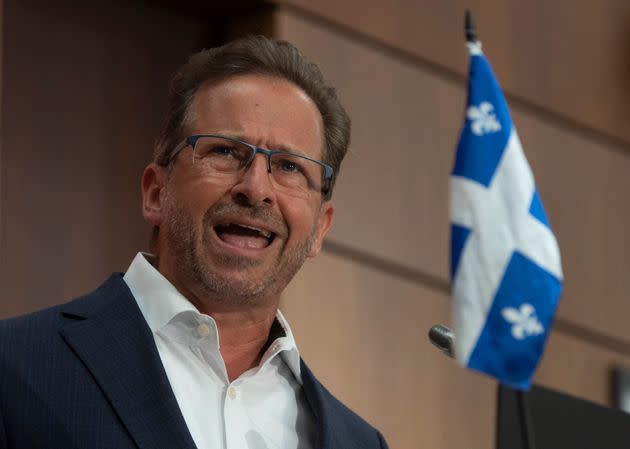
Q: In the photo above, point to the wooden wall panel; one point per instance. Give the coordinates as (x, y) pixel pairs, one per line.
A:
(568, 57)
(364, 333)
(85, 89)
(392, 192)
(392, 195)
(2, 176)
(579, 368)
(586, 189)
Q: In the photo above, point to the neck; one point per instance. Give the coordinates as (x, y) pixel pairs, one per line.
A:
(243, 329)
(243, 326)
(243, 338)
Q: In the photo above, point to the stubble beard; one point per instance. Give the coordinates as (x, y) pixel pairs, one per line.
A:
(190, 254)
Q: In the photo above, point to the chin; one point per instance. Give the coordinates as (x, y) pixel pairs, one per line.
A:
(234, 284)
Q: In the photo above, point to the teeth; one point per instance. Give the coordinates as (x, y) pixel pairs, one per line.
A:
(263, 232)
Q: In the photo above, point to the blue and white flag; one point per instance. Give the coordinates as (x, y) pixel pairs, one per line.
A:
(505, 263)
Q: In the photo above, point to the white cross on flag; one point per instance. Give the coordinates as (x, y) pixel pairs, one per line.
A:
(505, 263)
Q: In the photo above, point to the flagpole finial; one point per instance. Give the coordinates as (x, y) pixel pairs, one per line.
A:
(469, 27)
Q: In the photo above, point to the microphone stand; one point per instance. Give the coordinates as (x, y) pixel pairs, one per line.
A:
(443, 338)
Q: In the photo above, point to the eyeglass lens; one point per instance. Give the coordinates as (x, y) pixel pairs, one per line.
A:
(221, 156)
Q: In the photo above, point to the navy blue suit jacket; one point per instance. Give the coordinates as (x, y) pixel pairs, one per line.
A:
(87, 374)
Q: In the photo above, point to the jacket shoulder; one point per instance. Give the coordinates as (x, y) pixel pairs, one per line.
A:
(41, 327)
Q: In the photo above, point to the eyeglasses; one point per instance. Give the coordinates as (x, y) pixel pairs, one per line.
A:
(225, 158)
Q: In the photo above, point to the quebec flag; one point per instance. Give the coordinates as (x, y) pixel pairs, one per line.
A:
(505, 263)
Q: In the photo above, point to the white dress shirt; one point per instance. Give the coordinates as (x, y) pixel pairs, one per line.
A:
(264, 408)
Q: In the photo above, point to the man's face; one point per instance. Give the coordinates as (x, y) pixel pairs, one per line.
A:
(209, 242)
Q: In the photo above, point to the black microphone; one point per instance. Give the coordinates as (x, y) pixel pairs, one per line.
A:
(442, 337)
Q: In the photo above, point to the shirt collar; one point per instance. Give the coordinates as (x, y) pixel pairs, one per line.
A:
(160, 302)
(285, 345)
(158, 299)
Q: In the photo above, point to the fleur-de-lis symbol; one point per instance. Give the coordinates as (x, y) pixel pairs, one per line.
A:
(524, 321)
(483, 119)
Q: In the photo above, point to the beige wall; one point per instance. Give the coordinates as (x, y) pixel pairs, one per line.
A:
(363, 332)
(384, 277)
(84, 93)
(2, 177)
(407, 114)
(79, 115)
(562, 57)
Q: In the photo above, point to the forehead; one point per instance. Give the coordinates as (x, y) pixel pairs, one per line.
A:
(266, 111)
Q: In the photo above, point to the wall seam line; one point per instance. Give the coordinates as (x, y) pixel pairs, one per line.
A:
(426, 280)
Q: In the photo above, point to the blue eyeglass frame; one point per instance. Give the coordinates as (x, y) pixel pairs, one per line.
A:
(192, 141)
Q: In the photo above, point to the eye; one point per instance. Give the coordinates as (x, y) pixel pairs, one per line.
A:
(221, 150)
(224, 151)
(289, 166)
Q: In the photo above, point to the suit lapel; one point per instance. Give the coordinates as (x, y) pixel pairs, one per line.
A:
(314, 393)
(333, 418)
(108, 333)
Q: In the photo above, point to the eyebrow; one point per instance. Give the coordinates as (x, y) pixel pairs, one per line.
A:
(280, 147)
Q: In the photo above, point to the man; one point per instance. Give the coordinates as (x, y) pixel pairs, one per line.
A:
(188, 349)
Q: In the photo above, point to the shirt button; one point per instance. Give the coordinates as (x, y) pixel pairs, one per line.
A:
(232, 393)
(203, 330)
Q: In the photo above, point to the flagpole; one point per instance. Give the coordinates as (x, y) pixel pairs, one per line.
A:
(527, 428)
(469, 28)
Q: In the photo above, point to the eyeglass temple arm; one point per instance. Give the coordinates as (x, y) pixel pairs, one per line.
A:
(181, 146)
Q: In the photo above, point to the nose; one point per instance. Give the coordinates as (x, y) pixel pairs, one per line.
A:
(254, 185)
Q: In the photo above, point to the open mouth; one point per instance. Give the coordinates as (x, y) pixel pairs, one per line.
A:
(244, 236)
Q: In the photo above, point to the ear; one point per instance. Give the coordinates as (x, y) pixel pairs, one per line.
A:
(153, 181)
(324, 223)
